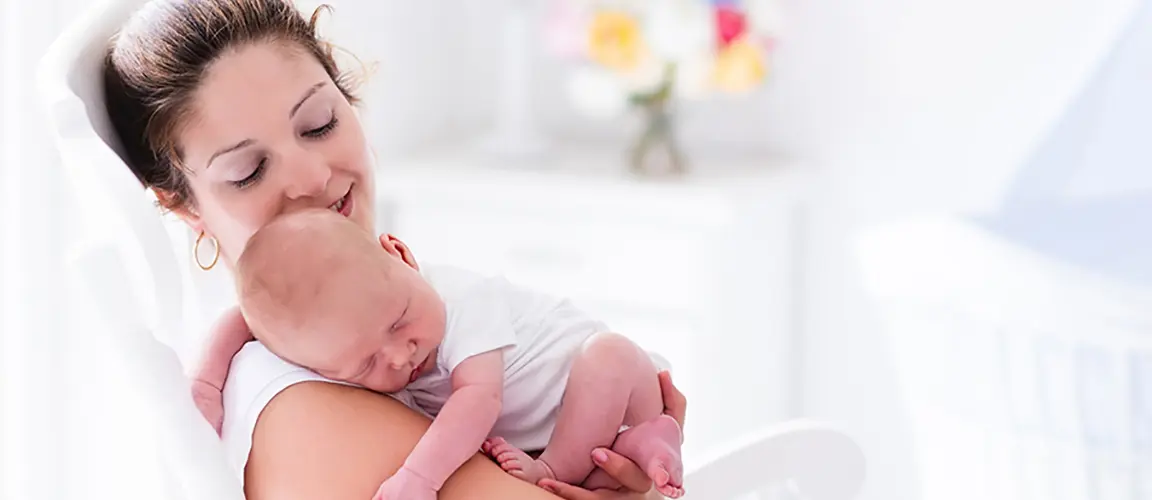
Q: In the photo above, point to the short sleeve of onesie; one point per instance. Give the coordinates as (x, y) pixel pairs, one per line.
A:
(478, 320)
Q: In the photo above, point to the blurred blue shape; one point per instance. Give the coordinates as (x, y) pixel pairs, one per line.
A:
(1100, 144)
(1085, 195)
(1111, 236)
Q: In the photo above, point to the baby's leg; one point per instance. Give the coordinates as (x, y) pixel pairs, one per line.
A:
(612, 382)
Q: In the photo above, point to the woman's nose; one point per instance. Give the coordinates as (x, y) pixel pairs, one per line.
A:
(309, 175)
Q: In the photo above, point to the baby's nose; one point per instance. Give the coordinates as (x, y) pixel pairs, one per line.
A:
(400, 361)
(401, 356)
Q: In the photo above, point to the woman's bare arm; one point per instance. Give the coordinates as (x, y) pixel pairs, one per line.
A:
(322, 440)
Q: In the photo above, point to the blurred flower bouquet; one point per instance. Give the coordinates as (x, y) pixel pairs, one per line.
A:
(647, 54)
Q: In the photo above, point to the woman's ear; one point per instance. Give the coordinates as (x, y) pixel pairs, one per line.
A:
(181, 211)
(398, 249)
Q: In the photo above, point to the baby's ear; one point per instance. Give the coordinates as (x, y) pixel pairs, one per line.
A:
(398, 249)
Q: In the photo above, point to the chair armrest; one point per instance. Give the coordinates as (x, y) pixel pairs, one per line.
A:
(824, 462)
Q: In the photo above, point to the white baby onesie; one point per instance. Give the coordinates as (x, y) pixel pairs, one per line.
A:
(539, 334)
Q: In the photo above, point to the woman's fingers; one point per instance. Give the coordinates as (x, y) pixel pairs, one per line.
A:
(633, 481)
(623, 470)
(567, 491)
(675, 404)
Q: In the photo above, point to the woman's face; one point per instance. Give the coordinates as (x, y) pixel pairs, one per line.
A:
(270, 133)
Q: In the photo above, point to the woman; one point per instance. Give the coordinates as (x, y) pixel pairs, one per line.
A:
(234, 112)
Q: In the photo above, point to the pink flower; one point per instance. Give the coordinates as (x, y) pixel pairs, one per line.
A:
(730, 24)
(564, 28)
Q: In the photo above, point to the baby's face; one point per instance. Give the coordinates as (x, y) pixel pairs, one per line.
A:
(377, 332)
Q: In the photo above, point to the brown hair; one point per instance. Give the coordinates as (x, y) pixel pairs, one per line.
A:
(157, 61)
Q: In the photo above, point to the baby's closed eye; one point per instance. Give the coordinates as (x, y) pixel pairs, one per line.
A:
(365, 367)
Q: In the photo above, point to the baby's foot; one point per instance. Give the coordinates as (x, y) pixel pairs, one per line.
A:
(210, 402)
(655, 446)
(515, 462)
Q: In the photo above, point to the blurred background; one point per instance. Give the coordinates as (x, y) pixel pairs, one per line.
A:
(926, 222)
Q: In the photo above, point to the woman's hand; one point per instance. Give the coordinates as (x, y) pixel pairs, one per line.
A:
(675, 404)
(634, 483)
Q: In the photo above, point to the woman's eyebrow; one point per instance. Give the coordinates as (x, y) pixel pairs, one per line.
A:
(309, 93)
(248, 142)
(242, 144)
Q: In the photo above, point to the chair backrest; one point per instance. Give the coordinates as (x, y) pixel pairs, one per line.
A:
(178, 303)
(131, 271)
(71, 85)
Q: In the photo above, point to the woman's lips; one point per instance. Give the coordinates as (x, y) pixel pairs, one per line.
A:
(343, 206)
(346, 210)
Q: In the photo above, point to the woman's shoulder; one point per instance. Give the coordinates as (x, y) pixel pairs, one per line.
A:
(255, 379)
(333, 441)
(352, 436)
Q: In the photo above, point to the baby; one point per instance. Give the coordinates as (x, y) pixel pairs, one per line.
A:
(503, 369)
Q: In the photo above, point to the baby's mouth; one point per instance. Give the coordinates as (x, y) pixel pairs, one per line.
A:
(419, 370)
(423, 368)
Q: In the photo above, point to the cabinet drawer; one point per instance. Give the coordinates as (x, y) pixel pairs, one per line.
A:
(607, 261)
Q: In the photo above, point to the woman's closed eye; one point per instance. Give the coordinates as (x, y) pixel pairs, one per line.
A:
(253, 177)
(258, 172)
(323, 130)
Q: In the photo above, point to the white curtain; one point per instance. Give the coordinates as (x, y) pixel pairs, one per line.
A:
(68, 427)
(31, 263)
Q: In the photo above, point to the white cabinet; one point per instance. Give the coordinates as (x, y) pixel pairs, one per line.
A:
(698, 269)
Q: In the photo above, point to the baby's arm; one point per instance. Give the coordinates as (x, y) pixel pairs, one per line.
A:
(457, 432)
(227, 337)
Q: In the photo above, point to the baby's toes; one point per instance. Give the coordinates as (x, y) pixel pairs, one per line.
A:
(511, 465)
(671, 491)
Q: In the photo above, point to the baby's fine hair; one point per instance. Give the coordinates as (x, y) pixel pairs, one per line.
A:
(299, 256)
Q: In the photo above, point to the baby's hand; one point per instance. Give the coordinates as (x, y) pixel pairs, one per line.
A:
(210, 402)
(405, 485)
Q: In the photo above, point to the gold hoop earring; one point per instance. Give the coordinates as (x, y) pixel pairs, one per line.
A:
(196, 252)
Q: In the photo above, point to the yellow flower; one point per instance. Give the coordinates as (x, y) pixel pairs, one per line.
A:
(615, 41)
(740, 66)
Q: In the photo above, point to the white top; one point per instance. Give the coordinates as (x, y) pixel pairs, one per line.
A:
(482, 314)
(257, 376)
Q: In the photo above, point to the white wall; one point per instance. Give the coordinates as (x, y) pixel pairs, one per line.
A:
(936, 104)
(439, 66)
(913, 103)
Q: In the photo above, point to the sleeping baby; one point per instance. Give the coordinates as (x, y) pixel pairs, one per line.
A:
(502, 369)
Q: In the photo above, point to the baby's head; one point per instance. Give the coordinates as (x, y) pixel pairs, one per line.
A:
(320, 292)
